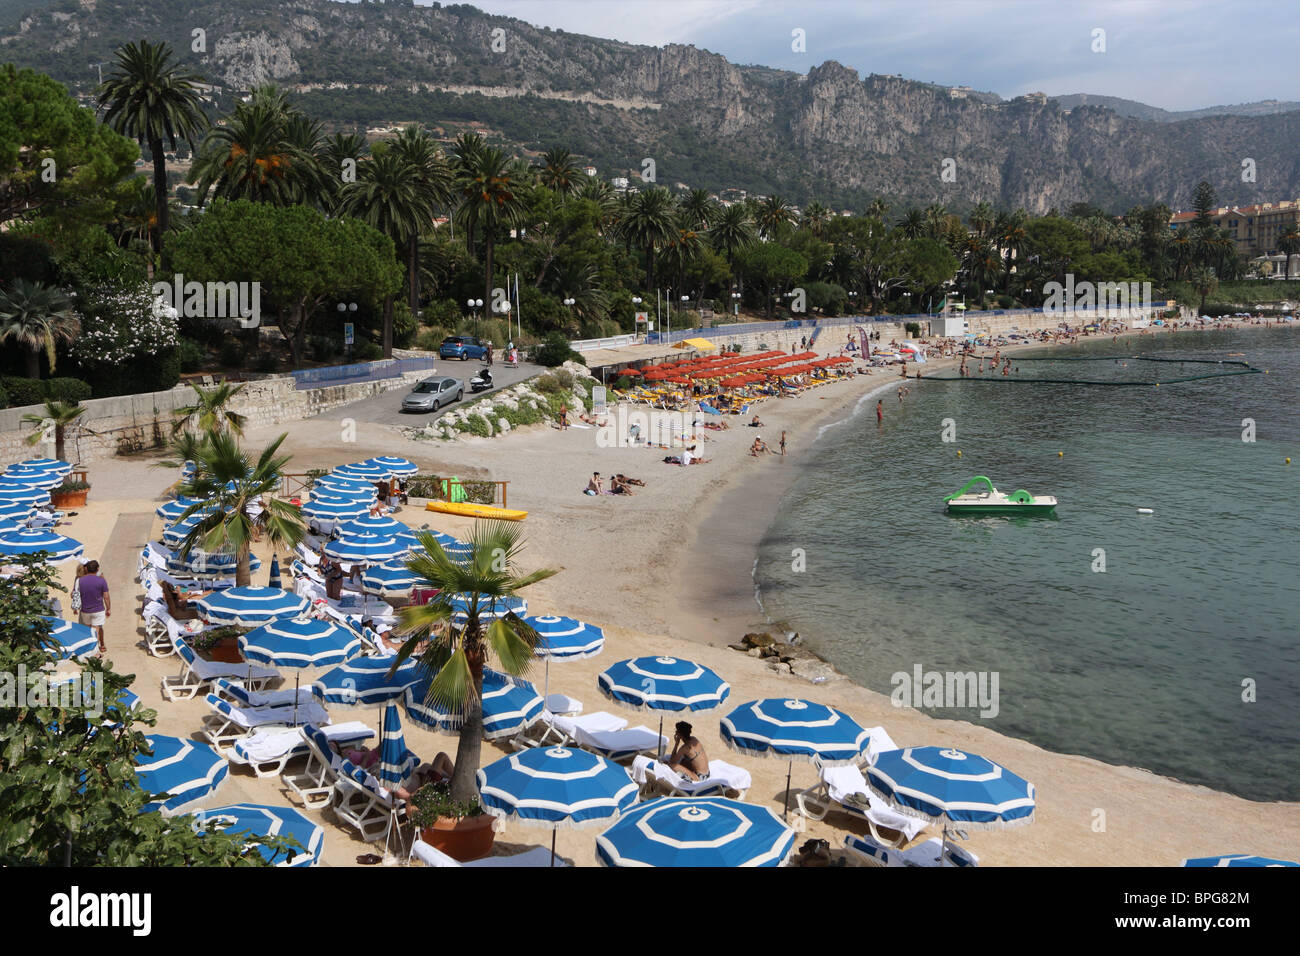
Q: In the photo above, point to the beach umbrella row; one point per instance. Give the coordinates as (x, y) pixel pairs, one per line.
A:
(200, 563)
(250, 606)
(299, 642)
(31, 541)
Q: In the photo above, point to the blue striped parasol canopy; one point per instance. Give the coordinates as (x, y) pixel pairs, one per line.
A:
(365, 682)
(36, 540)
(30, 479)
(273, 579)
(364, 496)
(8, 524)
(366, 548)
(339, 482)
(664, 683)
(250, 606)
(509, 705)
(396, 763)
(300, 642)
(565, 638)
(36, 497)
(259, 820)
(202, 563)
(796, 730)
(15, 510)
(949, 786)
(375, 524)
(1236, 859)
(44, 464)
(176, 532)
(171, 511)
(178, 772)
(556, 788)
(75, 640)
(390, 580)
(696, 832)
(335, 509)
(393, 466)
(361, 469)
(489, 608)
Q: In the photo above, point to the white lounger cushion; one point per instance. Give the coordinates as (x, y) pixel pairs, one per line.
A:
(598, 722)
(272, 744)
(848, 787)
(721, 774)
(537, 856)
(563, 704)
(613, 743)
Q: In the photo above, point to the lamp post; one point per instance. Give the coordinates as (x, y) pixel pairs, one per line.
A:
(735, 303)
(475, 305)
(349, 328)
(636, 301)
(685, 299)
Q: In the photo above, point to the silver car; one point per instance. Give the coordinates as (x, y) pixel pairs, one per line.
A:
(431, 394)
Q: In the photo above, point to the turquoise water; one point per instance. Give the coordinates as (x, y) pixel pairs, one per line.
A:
(1145, 664)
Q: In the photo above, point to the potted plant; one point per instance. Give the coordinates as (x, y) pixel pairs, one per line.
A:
(220, 644)
(71, 494)
(459, 828)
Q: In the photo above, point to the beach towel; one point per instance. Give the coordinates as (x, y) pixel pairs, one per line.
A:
(272, 744)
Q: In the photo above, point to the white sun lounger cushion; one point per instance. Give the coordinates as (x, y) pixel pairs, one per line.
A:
(848, 787)
(537, 856)
(722, 775)
(267, 745)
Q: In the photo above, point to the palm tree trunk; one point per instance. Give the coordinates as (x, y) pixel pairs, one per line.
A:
(487, 272)
(463, 779)
(243, 576)
(160, 190)
(59, 444)
(388, 326)
(33, 363)
(413, 273)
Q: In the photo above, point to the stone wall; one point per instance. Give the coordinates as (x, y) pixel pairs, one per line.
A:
(127, 421)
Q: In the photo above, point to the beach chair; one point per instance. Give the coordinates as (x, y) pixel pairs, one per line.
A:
(845, 789)
(658, 779)
(563, 706)
(241, 696)
(267, 751)
(620, 745)
(358, 799)
(873, 853)
(197, 675)
(157, 629)
(315, 782)
(558, 730)
(533, 856)
(229, 722)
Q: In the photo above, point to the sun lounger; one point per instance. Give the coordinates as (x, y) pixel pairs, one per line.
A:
(657, 778)
(268, 750)
(228, 722)
(358, 799)
(556, 730)
(315, 783)
(869, 851)
(534, 856)
(845, 789)
(563, 705)
(241, 696)
(197, 675)
(620, 745)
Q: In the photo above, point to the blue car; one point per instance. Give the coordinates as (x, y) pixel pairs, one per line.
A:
(463, 347)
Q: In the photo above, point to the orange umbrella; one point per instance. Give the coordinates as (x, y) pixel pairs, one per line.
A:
(627, 371)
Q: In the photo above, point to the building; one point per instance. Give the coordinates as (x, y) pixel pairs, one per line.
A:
(589, 170)
(1255, 229)
(619, 183)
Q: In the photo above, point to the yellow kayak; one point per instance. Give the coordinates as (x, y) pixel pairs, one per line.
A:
(471, 510)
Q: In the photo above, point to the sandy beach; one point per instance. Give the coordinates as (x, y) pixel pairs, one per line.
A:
(667, 572)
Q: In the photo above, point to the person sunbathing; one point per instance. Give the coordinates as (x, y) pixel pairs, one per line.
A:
(688, 757)
(439, 771)
(632, 481)
(758, 446)
(592, 420)
(755, 423)
(618, 486)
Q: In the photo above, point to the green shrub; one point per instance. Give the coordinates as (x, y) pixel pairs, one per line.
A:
(192, 355)
(72, 390)
(367, 352)
(4, 397)
(429, 339)
(24, 391)
(624, 383)
(554, 351)
(564, 377)
(232, 356)
(913, 329)
(475, 425)
(548, 384)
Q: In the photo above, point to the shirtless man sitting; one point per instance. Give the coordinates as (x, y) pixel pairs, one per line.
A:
(758, 446)
(688, 757)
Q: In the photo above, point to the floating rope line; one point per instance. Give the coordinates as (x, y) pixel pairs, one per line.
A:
(994, 375)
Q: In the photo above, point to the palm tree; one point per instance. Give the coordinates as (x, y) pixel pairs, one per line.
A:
(60, 415)
(1203, 281)
(773, 214)
(151, 100)
(434, 184)
(489, 189)
(648, 223)
(912, 224)
(982, 218)
(465, 157)
(37, 317)
(878, 208)
(699, 209)
(210, 409)
(560, 172)
(816, 216)
(457, 653)
(731, 231)
(225, 477)
(338, 154)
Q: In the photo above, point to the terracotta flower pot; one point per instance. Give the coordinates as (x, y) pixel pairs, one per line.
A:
(226, 650)
(461, 838)
(68, 499)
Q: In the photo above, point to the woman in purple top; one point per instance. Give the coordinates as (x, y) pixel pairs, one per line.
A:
(96, 606)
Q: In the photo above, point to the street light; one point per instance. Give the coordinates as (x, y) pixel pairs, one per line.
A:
(475, 305)
(735, 303)
(344, 308)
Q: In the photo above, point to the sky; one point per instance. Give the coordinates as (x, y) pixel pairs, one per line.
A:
(1175, 54)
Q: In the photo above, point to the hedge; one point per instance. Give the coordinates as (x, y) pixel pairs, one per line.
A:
(24, 391)
(72, 390)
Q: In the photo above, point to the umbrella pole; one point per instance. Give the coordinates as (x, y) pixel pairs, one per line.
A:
(789, 770)
(552, 848)
(943, 847)
(295, 698)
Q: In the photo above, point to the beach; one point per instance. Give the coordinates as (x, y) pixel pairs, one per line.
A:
(667, 572)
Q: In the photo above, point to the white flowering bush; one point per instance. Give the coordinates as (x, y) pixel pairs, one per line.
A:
(119, 325)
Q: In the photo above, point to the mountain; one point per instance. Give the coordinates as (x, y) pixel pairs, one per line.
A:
(704, 121)
(1143, 111)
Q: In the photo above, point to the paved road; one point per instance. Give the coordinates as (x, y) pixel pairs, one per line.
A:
(385, 409)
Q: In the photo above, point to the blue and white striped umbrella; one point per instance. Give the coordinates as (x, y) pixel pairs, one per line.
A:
(945, 785)
(1237, 859)
(36, 497)
(795, 730)
(393, 466)
(176, 532)
(300, 642)
(566, 639)
(250, 606)
(171, 511)
(45, 464)
(366, 548)
(36, 540)
(664, 683)
(75, 640)
(15, 510)
(363, 496)
(360, 469)
(381, 525)
(556, 787)
(16, 478)
(8, 524)
(258, 820)
(696, 832)
(350, 483)
(489, 609)
(273, 579)
(509, 705)
(188, 470)
(202, 563)
(335, 509)
(365, 682)
(396, 763)
(179, 772)
(390, 580)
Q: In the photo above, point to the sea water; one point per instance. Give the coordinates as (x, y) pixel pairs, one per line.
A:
(1168, 641)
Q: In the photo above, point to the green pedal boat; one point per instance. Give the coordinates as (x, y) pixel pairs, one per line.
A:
(979, 497)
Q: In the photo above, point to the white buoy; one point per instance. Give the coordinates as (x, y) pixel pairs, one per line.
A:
(1146, 511)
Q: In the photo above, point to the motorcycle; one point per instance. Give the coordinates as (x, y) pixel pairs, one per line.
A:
(481, 382)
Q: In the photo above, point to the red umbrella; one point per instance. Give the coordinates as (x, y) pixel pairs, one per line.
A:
(736, 382)
(627, 371)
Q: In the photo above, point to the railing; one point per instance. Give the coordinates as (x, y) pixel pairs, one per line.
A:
(359, 372)
(477, 489)
(295, 485)
(612, 341)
